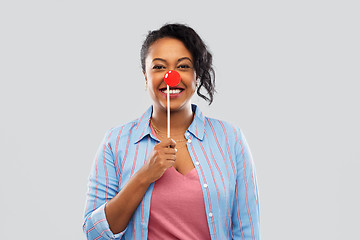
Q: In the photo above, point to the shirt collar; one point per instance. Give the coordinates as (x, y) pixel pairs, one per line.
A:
(197, 127)
(142, 125)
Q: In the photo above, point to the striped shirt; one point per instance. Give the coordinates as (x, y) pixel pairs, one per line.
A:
(221, 157)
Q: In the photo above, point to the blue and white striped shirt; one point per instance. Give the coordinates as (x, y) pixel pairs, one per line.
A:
(221, 157)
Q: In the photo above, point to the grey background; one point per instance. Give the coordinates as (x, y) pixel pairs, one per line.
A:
(287, 74)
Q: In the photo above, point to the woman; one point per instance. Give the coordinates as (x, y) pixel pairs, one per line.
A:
(200, 184)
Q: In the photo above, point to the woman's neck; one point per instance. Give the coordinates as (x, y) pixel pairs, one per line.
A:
(180, 120)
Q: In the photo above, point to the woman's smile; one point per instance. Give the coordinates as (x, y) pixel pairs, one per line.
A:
(173, 91)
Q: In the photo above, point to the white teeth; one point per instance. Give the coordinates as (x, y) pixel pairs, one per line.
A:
(172, 91)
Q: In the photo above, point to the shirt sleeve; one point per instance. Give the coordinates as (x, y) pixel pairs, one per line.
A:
(102, 186)
(245, 213)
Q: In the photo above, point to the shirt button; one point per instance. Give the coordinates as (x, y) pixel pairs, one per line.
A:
(197, 163)
(189, 140)
(205, 185)
(187, 134)
(210, 214)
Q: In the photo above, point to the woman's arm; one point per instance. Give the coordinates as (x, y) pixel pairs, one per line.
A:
(245, 216)
(119, 210)
(106, 218)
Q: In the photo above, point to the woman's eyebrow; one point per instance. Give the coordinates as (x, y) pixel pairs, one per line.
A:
(184, 58)
(158, 59)
(179, 60)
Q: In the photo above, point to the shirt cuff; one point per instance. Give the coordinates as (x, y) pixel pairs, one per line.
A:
(101, 225)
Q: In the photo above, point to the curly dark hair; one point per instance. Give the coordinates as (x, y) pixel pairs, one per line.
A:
(192, 41)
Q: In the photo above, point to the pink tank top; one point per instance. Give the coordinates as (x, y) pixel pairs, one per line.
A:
(177, 209)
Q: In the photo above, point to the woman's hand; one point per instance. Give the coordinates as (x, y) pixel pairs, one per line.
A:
(161, 158)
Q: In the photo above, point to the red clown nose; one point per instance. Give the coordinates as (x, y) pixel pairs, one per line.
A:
(172, 78)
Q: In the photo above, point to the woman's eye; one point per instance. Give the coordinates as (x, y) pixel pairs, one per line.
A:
(184, 66)
(158, 67)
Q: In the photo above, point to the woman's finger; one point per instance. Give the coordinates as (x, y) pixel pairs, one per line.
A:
(167, 143)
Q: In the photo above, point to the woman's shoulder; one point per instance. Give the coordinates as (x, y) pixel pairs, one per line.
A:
(222, 129)
(225, 135)
(121, 130)
(214, 125)
(132, 128)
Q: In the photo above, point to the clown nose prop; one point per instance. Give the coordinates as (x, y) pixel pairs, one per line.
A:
(172, 78)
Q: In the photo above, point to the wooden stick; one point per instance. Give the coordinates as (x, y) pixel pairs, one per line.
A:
(168, 110)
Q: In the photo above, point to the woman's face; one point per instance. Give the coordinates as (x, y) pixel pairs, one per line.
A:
(170, 54)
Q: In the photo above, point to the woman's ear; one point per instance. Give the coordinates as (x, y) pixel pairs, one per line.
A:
(145, 76)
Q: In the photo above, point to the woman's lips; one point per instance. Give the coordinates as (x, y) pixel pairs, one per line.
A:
(174, 92)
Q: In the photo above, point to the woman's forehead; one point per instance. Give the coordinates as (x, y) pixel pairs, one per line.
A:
(168, 48)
